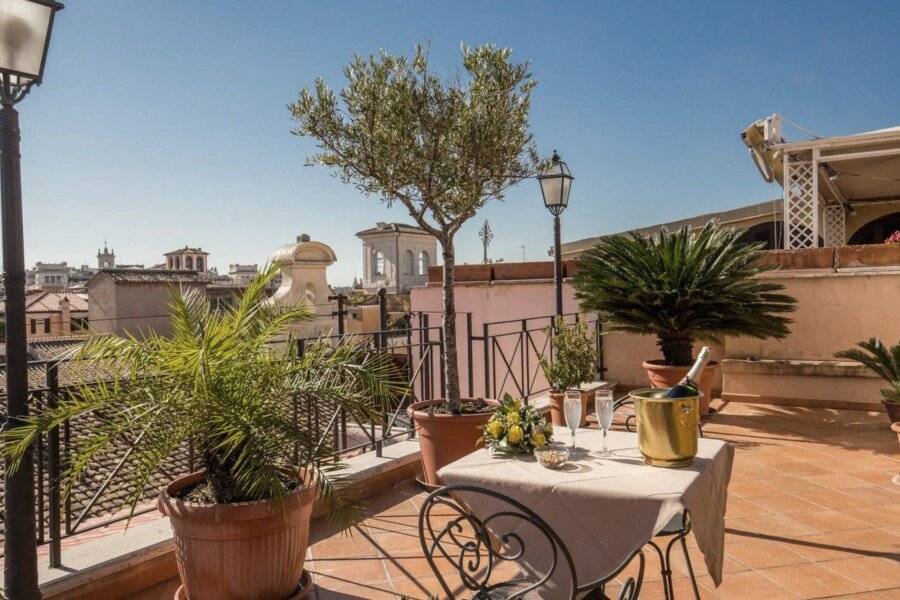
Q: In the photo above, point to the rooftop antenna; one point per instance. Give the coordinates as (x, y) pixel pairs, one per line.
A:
(486, 236)
(523, 252)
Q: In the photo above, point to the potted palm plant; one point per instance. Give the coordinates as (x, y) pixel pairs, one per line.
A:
(441, 149)
(682, 287)
(884, 362)
(573, 363)
(241, 524)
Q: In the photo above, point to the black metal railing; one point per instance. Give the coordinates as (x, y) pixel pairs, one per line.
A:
(511, 352)
(95, 501)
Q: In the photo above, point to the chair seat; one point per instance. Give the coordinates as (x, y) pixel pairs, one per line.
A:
(504, 591)
(674, 526)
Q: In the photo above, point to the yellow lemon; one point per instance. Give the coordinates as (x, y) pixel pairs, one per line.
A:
(515, 434)
(538, 439)
(512, 418)
(495, 428)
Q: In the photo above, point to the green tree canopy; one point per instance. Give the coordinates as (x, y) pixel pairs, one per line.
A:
(440, 147)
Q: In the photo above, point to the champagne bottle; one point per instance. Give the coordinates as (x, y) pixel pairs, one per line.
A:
(690, 383)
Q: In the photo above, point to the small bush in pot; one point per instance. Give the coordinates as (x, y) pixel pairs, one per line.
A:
(574, 361)
(220, 382)
(682, 287)
(884, 362)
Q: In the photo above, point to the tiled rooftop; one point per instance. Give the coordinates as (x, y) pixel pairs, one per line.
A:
(813, 512)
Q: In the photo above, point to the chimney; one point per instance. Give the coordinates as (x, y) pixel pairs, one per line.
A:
(65, 309)
(303, 237)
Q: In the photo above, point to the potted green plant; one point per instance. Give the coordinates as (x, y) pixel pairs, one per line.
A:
(682, 287)
(441, 149)
(572, 363)
(241, 523)
(884, 362)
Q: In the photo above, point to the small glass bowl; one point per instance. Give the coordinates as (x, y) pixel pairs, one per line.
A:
(552, 456)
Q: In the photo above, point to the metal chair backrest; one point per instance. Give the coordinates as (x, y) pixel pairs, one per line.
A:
(477, 549)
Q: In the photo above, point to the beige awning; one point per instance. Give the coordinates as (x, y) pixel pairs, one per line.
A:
(859, 168)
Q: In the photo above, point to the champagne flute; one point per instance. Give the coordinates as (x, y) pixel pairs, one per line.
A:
(604, 405)
(572, 411)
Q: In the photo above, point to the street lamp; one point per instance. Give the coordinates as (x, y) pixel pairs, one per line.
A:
(25, 27)
(556, 183)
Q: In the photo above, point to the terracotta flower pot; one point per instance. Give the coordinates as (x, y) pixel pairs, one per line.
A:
(663, 376)
(240, 550)
(557, 413)
(893, 410)
(444, 438)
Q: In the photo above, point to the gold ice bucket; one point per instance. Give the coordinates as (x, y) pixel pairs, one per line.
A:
(667, 429)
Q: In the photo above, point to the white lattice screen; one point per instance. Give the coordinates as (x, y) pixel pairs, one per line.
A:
(801, 203)
(834, 225)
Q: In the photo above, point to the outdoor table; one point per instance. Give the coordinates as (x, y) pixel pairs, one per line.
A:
(604, 509)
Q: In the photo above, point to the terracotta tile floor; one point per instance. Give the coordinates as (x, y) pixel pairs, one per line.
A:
(814, 512)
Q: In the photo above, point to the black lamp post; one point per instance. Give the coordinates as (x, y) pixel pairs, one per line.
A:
(25, 27)
(556, 183)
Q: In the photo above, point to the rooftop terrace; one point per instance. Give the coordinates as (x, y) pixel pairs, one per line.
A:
(813, 512)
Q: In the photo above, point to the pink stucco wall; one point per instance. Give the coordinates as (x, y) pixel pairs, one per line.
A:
(497, 301)
(844, 295)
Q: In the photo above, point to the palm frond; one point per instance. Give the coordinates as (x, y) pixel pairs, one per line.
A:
(880, 360)
(682, 285)
(222, 381)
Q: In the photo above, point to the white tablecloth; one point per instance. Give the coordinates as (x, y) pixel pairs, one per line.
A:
(605, 509)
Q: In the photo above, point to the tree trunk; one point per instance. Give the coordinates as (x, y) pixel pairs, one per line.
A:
(451, 363)
(219, 474)
(677, 350)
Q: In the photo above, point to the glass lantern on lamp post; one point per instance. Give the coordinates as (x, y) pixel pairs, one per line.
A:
(25, 27)
(556, 183)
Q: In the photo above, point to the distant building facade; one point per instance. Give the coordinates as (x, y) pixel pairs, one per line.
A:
(106, 258)
(50, 314)
(396, 256)
(242, 274)
(78, 277)
(136, 301)
(50, 276)
(187, 259)
(304, 278)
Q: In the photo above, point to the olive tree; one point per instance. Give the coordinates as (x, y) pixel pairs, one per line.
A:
(441, 147)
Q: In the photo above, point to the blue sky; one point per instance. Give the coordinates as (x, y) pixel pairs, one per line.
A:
(163, 123)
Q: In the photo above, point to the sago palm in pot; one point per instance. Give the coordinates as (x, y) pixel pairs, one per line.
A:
(221, 382)
(884, 362)
(682, 287)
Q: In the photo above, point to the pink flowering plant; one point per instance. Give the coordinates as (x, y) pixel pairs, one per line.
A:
(894, 238)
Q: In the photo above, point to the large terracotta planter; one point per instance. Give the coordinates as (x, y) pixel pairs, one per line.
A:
(444, 438)
(242, 550)
(557, 412)
(663, 376)
(893, 410)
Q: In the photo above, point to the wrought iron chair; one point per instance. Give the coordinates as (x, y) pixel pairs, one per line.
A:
(675, 530)
(473, 549)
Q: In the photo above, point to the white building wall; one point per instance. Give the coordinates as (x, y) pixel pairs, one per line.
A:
(394, 246)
